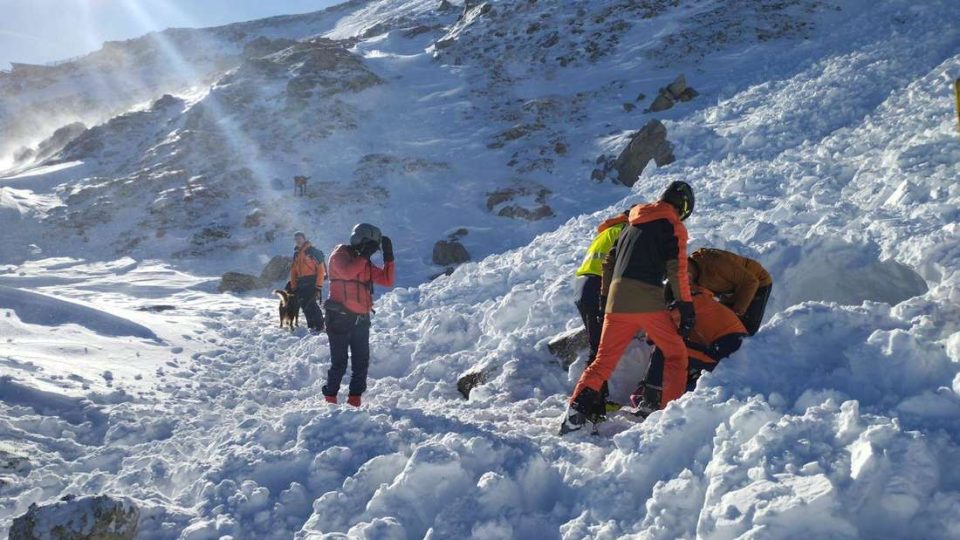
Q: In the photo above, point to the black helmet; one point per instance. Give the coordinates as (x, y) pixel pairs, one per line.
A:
(680, 195)
(364, 233)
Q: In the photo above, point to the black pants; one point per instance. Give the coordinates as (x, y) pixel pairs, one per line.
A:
(592, 314)
(307, 295)
(754, 314)
(722, 348)
(349, 339)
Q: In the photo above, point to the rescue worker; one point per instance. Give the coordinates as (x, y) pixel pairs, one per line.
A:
(742, 284)
(306, 279)
(352, 277)
(589, 278)
(717, 334)
(653, 248)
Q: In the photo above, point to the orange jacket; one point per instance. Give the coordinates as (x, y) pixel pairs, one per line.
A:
(308, 261)
(714, 320)
(352, 278)
(610, 222)
(731, 274)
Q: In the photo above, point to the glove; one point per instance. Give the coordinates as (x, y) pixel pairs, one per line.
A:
(687, 318)
(387, 246)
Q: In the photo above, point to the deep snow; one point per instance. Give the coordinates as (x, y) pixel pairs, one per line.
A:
(835, 164)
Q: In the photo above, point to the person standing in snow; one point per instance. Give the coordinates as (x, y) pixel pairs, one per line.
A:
(717, 333)
(306, 279)
(742, 284)
(653, 248)
(589, 278)
(352, 277)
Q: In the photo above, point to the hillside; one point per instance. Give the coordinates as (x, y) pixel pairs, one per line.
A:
(822, 142)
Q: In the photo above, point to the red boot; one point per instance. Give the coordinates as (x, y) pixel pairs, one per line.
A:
(330, 399)
(354, 400)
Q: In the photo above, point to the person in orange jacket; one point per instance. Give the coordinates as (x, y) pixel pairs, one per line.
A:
(306, 279)
(651, 249)
(742, 284)
(717, 334)
(352, 277)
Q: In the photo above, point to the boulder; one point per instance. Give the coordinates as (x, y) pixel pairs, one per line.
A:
(237, 282)
(568, 346)
(449, 252)
(661, 103)
(85, 518)
(470, 381)
(523, 201)
(277, 269)
(688, 94)
(650, 143)
(677, 87)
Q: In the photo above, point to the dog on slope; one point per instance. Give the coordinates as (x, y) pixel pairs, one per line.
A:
(289, 308)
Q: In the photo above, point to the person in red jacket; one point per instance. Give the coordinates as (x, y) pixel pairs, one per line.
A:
(306, 279)
(352, 277)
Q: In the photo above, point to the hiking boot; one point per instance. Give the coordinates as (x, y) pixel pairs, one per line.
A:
(646, 400)
(330, 399)
(353, 400)
(574, 420)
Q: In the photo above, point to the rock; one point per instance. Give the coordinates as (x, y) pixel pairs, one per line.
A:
(529, 202)
(568, 345)
(445, 6)
(470, 381)
(629, 107)
(85, 518)
(641, 96)
(677, 87)
(688, 94)
(237, 282)
(560, 149)
(263, 46)
(661, 103)
(598, 175)
(277, 269)
(648, 143)
(449, 252)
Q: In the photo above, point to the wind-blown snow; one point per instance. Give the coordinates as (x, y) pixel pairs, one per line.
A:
(834, 165)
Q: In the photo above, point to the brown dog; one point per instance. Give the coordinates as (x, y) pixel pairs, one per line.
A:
(289, 308)
(300, 185)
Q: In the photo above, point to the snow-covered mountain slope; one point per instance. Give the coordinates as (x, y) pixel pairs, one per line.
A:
(829, 153)
(498, 109)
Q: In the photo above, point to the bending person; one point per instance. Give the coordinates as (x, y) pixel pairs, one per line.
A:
(742, 284)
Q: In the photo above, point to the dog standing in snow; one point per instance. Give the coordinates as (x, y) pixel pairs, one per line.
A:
(289, 308)
(300, 186)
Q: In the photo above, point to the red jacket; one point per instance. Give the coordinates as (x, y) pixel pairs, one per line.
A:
(352, 278)
(308, 262)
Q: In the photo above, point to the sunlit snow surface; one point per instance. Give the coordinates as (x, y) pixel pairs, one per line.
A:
(840, 419)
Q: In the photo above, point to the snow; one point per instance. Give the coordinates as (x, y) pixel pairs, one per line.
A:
(831, 159)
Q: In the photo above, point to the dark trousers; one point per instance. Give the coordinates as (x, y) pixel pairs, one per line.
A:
(307, 295)
(592, 314)
(722, 348)
(349, 339)
(753, 317)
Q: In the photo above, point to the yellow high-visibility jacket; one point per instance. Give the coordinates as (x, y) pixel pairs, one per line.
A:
(609, 233)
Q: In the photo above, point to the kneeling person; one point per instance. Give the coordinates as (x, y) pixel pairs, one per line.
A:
(743, 284)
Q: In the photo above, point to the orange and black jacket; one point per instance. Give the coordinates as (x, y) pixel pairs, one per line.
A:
(731, 276)
(352, 278)
(651, 249)
(308, 267)
(714, 321)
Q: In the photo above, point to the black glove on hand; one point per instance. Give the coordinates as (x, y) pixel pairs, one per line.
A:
(687, 317)
(387, 245)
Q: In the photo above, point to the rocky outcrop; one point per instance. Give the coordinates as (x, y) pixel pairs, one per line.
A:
(237, 282)
(677, 91)
(650, 143)
(277, 269)
(468, 382)
(569, 345)
(523, 201)
(450, 253)
(84, 518)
